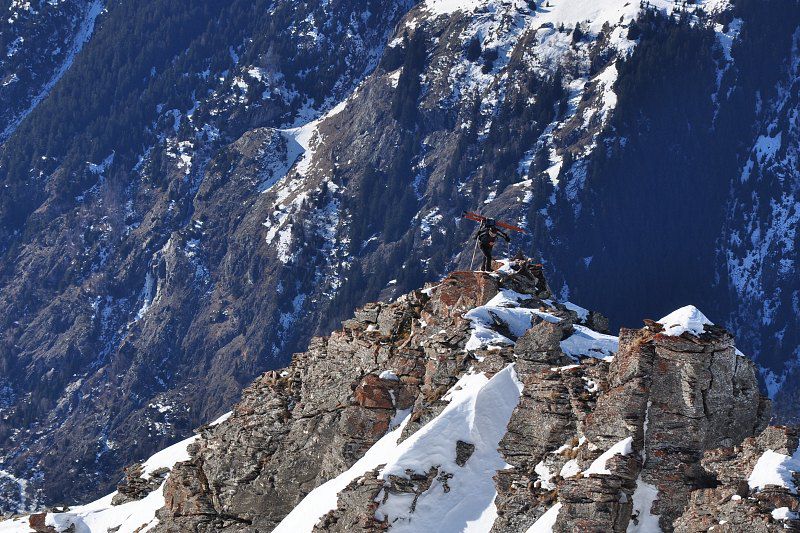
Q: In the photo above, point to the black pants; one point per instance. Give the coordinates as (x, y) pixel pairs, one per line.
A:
(487, 258)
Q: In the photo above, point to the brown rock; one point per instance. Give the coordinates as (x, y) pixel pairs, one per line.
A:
(462, 291)
(373, 393)
(37, 523)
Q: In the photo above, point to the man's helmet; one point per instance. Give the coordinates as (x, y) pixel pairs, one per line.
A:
(490, 223)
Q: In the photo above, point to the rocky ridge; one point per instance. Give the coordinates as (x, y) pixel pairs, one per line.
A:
(482, 401)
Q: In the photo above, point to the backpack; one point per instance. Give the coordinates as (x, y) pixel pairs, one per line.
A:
(485, 236)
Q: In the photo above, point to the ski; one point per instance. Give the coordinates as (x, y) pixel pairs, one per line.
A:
(480, 218)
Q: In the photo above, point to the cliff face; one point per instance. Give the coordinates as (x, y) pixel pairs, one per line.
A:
(482, 403)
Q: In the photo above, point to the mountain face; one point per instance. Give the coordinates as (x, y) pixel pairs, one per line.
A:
(480, 403)
(39, 40)
(197, 188)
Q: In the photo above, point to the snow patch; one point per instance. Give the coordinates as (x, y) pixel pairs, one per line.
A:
(605, 81)
(389, 375)
(587, 342)
(643, 498)
(100, 168)
(502, 311)
(686, 319)
(571, 468)
(307, 136)
(478, 413)
(545, 476)
(16, 525)
(583, 314)
(773, 382)
(547, 521)
(443, 7)
(136, 516)
(167, 457)
(775, 468)
(767, 146)
(598, 466)
(783, 513)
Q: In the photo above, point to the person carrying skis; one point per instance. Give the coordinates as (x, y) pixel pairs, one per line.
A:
(486, 237)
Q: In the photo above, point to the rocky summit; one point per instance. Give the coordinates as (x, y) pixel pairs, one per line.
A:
(480, 403)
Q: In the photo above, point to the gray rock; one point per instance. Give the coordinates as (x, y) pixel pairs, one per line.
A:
(464, 451)
(135, 487)
(675, 397)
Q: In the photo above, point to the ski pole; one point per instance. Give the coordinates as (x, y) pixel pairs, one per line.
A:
(471, 263)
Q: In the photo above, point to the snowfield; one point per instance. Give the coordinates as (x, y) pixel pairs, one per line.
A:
(478, 413)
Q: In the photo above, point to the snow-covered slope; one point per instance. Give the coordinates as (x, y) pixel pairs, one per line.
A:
(478, 411)
(105, 514)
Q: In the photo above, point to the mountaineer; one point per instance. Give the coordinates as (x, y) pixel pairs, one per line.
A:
(486, 237)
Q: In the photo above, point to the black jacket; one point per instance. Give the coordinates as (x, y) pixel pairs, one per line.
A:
(487, 238)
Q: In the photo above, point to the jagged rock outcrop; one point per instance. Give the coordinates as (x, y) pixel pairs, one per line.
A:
(482, 401)
(731, 505)
(667, 399)
(295, 429)
(646, 439)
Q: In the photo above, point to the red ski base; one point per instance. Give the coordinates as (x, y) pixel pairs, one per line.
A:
(480, 218)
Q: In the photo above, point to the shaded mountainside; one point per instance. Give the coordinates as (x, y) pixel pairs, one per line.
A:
(39, 40)
(480, 403)
(209, 184)
(152, 300)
